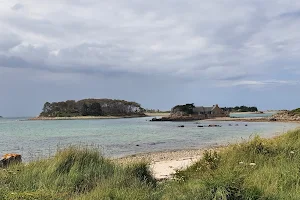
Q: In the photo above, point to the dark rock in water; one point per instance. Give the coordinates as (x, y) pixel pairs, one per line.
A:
(246, 124)
(9, 159)
(230, 125)
(273, 119)
(181, 126)
(137, 145)
(200, 126)
(236, 125)
(156, 119)
(214, 125)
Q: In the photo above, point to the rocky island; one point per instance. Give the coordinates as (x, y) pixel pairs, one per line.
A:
(90, 109)
(190, 112)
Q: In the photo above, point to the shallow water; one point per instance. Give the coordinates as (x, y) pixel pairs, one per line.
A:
(120, 137)
(252, 115)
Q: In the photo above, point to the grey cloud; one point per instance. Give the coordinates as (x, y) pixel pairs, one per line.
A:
(17, 6)
(13, 62)
(207, 40)
(292, 14)
(8, 41)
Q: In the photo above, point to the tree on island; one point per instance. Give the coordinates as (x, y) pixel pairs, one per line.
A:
(91, 107)
(187, 108)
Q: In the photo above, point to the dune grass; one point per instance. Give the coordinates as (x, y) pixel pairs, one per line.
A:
(255, 169)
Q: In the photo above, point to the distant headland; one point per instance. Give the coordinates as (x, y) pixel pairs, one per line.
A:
(90, 109)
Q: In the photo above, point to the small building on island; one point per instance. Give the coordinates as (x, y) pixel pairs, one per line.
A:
(210, 112)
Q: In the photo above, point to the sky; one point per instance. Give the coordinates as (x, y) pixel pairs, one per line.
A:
(159, 53)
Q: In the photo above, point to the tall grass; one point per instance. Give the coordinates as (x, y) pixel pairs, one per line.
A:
(258, 169)
(73, 172)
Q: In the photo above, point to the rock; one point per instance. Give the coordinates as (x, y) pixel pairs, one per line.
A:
(214, 125)
(181, 126)
(10, 158)
(200, 126)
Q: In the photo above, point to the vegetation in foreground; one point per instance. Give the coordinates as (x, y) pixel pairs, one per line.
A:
(258, 169)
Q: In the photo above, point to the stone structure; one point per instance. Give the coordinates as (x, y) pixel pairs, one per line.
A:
(210, 112)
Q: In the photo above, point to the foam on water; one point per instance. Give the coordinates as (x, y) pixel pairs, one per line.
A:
(120, 137)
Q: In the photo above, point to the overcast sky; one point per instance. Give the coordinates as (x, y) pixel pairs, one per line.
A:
(159, 53)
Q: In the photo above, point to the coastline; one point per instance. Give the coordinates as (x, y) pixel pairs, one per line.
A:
(164, 164)
(99, 117)
(85, 117)
(251, 119)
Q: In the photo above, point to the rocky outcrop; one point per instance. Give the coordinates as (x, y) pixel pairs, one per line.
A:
(284, 116)
(8, 159)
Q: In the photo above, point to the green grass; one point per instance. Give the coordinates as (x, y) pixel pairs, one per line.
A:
(258, 169)
(295, 111)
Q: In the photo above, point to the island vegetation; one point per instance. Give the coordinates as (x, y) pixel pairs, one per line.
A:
(295, 112)
(91, 107)
(241, 109)
(257, 169)
(186, 109)
(156, 111)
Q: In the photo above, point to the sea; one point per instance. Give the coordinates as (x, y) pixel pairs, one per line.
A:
(122, 137)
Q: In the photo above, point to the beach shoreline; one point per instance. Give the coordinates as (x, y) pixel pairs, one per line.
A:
(84, 117)
(98, 117)
(251, 119)
(164, 164)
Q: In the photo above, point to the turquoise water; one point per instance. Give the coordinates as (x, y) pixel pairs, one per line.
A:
(251, 115)
(120, 137)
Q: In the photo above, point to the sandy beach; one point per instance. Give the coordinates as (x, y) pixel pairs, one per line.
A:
(164, 164)
(157, 114)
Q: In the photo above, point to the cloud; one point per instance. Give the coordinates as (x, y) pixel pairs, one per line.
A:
(8, 41)
(212, 41)
(292, 14)
(17, 6)
(267, 82)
